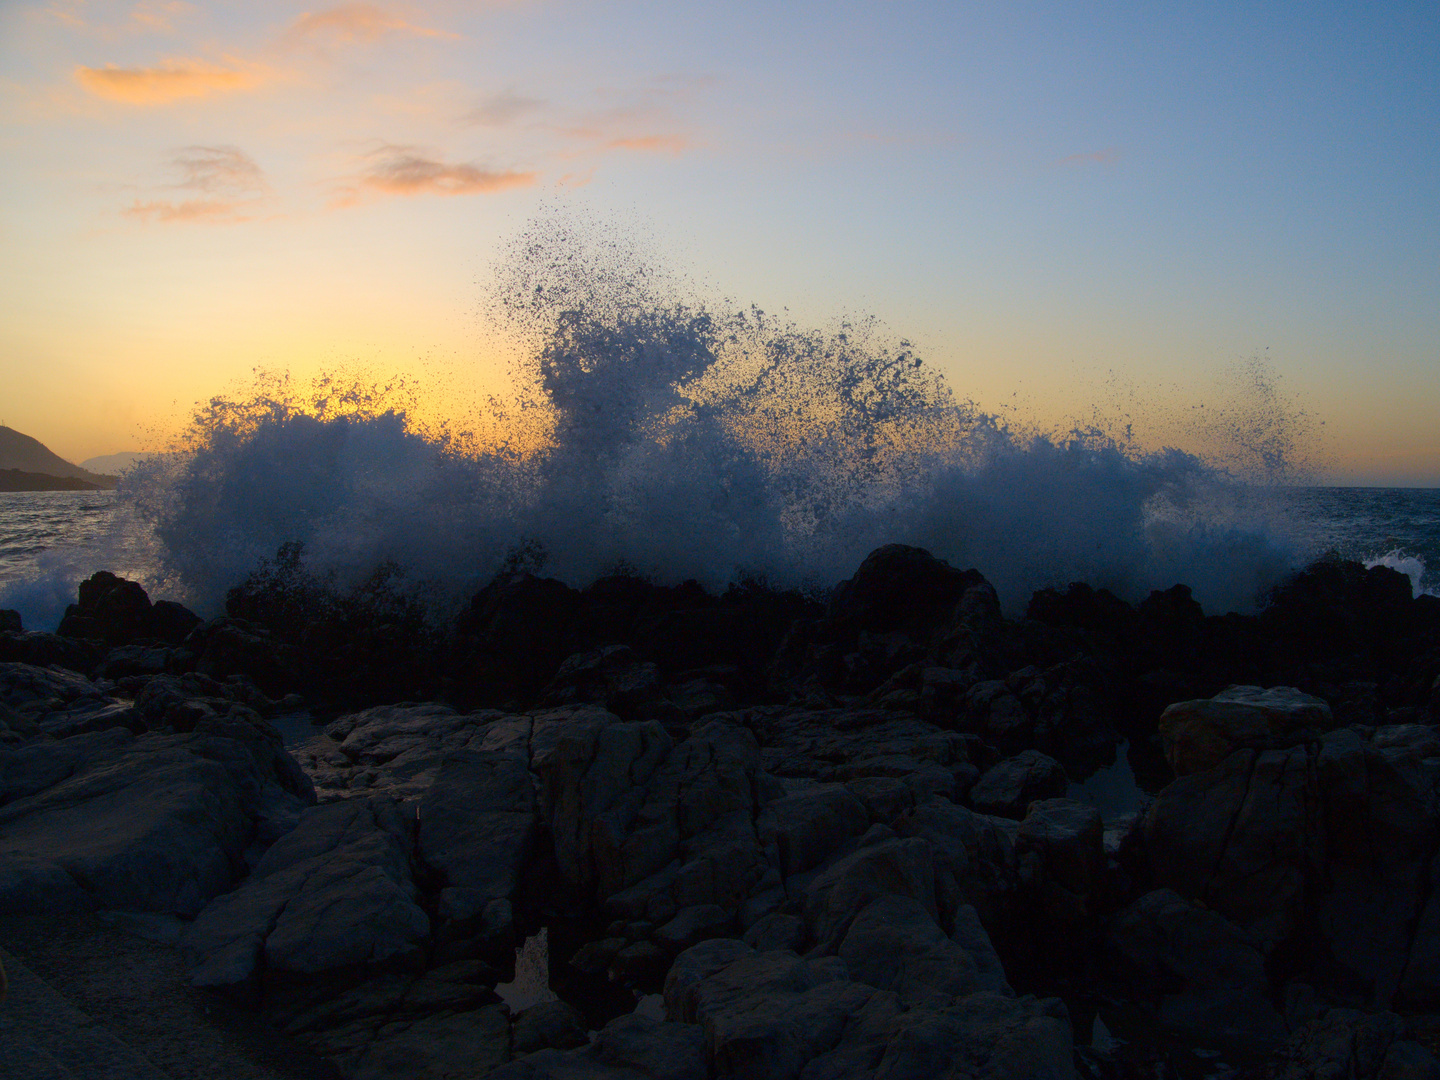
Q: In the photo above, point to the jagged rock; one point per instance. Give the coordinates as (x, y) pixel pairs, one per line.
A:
(477, 824)
(547, 1025)
(1197, 972)
(1334, 840)
(1012, 785)
(894, 944)
(151, 823)
(440, 1046)
(1346, 1044)
(10, 622)
(1068, 837)
(1200, 734)
(803, 829)
(332, 895)
(693, 924)
(895, 867)
(776, 932)
(49, 650)
(231, 646)
(629, 1048)
(613, 676)
(623, 802)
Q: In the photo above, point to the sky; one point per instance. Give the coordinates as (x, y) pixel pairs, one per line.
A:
(1070, 208)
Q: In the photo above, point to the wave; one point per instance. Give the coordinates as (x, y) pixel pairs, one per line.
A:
(652, 431)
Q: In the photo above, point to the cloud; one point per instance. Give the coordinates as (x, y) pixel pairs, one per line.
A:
(658, 144)
(230, 185)
(160, 16)
(351, 24)
(171, 81)
(403, 170)
(218, 169)
(1108, 156)
(501, 109)
(213, 211)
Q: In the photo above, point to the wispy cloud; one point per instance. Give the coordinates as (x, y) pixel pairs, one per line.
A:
(404, 170)
(159, 15)
(501, 109)
(228, 185)
(351, 24)
(218, 168)
(1108, 156)
(163, 211)
(658, 144)
(170, 81)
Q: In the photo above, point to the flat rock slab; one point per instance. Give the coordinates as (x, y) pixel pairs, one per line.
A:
(335, 893)
(97, 1001)
(151, 823)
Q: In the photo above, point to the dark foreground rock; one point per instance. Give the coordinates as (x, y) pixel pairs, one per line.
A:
(640, 831)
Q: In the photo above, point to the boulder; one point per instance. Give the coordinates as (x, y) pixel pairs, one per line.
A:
(1198, 974)
(1327, 846)
(892, 868)
(1198, 735)
(628, 1048)
(334, 895)
(1010, 786)
(158, 823)
(1349, 1044)
(894, 944)
(1068, 837)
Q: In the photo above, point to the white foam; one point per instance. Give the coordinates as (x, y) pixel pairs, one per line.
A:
(686, 440)
(1412, 566)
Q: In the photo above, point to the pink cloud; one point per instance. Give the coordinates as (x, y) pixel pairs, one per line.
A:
(356, 23)
(170, 81)
(402, 170)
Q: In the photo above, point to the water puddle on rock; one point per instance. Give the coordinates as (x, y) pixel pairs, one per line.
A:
(1113, 789)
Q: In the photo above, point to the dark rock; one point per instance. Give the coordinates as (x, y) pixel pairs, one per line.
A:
(1200, 734)
(332, 896)
(895, 867)
(1324, 852)
(894, 944)
(1197, 972)
(49, 650)
(899, 587)
(694, 924)
(156, 823)
(1356, 1046)
(1010, 787)
(547, 1025)
(10, 622)
(776, 932)
(513, 636)
(629, 1048)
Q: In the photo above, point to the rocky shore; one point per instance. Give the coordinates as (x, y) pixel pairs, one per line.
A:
(645, 832)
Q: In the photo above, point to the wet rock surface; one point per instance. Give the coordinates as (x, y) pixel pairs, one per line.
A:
(640, 831)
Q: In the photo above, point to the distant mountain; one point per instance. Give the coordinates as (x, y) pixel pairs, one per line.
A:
(30, 455)
(115, 464)
(16, 480)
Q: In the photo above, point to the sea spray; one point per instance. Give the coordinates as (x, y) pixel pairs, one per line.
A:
(675, 437)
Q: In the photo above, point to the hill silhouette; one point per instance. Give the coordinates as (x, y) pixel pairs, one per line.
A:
(26, 454)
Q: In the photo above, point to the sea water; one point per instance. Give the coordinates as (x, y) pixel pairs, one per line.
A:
(652, 430)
